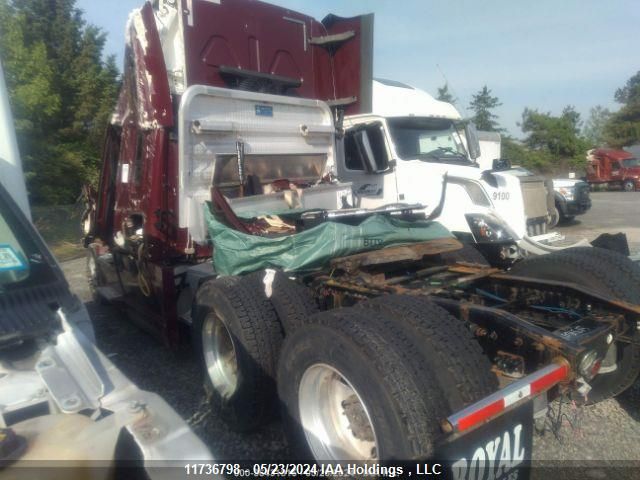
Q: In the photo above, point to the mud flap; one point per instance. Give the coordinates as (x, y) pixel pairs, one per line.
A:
(616, 242)
(500, 449)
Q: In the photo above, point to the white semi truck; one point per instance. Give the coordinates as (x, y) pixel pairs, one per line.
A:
(414, 140)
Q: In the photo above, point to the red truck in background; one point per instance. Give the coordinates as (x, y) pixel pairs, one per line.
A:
(608, 167)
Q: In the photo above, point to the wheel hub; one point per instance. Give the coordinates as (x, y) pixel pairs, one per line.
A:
(334, 417)
(220, 356)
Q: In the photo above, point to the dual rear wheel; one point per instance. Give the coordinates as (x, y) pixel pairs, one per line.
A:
(369, 382)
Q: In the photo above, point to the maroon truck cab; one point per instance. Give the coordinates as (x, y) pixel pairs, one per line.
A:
(613, 168)
(134, 221)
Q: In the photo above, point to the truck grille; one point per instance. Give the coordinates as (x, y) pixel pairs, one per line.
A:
(536, 226)
(534, 196)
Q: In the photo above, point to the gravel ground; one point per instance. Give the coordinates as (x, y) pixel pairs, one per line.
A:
(173, 375)
(607, 434)
(611, 212)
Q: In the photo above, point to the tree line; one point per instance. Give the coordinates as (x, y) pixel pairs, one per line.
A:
(63, 91)
(559, 142)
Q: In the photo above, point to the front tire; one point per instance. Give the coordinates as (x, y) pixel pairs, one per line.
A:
(629, 186)
(555, 217)
(95, 277)
(564, 219)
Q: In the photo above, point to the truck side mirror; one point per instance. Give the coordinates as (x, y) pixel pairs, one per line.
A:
(473, 144)
(500, 164)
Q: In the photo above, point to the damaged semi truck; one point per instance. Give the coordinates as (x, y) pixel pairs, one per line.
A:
(220, 219)
(414, 140)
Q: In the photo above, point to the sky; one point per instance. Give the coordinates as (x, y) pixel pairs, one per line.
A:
(542, 54)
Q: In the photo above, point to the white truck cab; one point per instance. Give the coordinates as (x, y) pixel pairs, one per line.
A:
(414, 141)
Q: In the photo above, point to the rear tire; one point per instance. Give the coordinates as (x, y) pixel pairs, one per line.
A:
(388, 415)
(406, 383)
(238, 339)
(609, 273)
(462, 369)
(293, 302)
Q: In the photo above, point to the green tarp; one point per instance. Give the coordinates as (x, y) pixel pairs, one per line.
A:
(235, 252)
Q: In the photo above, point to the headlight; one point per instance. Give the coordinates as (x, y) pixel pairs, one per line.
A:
(487, 229)
(567, 192)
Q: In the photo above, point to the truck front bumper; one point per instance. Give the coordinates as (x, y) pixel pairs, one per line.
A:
(547, 243)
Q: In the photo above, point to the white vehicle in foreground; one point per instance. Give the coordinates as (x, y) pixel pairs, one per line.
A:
(413, 141)
(61, 399)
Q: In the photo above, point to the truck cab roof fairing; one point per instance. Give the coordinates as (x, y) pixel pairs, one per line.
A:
(240, 43)
(393, 99)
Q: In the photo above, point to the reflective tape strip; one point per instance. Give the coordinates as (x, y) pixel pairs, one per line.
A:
(496, 403)
(511, 398)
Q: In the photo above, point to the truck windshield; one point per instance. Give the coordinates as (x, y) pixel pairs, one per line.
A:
(22, 264)
(428, 139)
(631, 162)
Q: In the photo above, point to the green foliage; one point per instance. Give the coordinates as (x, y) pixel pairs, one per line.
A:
(630, 93)
(623, 128)
(61, 93)
(572, 117)
(444, 95)
(482, 104)
(553, 142)
(520, 154)
(557, 135)
(594, 127)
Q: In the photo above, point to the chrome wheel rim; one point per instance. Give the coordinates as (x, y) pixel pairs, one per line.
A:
(334, 417)
(219, 356)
